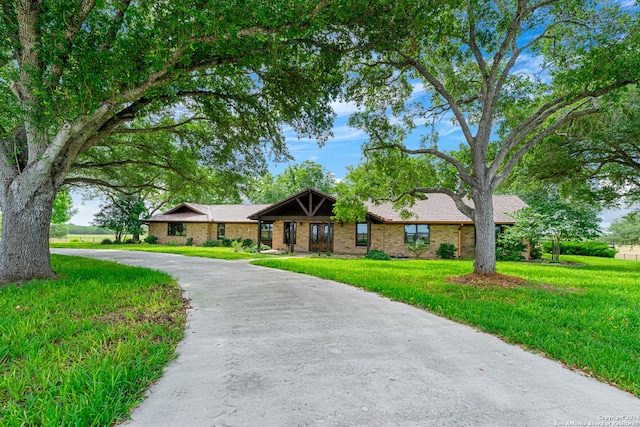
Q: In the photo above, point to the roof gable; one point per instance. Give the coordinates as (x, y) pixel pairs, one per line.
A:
(307, 203)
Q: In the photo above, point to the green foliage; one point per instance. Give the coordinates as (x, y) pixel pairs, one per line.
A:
(510, 248)
(122, 214)
(62, 207)
(237, 245)
(58, 230)
(624, 231)
(595, 305)
(189, 241)
(375, 254)
(595, 158)
(210, 243)
(295, 178)
(418, 247)
(596, 249)
(446, 251)
(247, 242)
(92, 365)
(252, 249)
(226, 242)
(106, 242)
(548, 215)
(152, 240)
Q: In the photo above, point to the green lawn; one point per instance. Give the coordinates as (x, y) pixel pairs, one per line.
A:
(89, 238)
(587, 316)
(81, 350)
(216, 252)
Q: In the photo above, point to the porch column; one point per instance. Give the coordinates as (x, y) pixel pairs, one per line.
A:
(368, 234)
(259, 233)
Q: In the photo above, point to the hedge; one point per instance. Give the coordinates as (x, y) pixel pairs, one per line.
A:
(598, 249)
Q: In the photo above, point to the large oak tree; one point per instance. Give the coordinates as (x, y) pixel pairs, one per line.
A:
(506, 74)
(76, 73)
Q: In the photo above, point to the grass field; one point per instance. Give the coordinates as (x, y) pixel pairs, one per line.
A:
(216, 252)
(587, 316)
(82, 350)
(87, 238)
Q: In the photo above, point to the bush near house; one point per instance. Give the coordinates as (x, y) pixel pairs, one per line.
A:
(375, 254)
(446, 251)
(210, 243)
(152, 240)
(597, 249)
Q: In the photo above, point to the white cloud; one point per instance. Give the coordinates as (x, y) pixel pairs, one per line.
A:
(344, 108)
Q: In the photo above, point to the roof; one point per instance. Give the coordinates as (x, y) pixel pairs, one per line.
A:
(194, 212)
(437, 208)
(440, 208)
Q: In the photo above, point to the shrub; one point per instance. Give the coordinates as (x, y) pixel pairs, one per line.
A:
(106, 242)
(254, 248)
(152, 240)
(418, 247)
(446, 251)
(535, 251)
(377, 255)
(236, 245)
(129, 241)
(247, 243)
(597, 249)
(210, 243)
(226, 242)
(75, 241)
(510, 248)
(189, 241)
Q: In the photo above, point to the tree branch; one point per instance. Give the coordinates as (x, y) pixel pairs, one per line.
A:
(94, 182)
(439, 87)
(74, 27)
(513, 160)
(158, 128)
(464, 175)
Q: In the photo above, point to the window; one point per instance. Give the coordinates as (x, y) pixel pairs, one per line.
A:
(362, 234)
(413, 232)
(266, 232)
(290, 233)
(177, 229)
(221, 227)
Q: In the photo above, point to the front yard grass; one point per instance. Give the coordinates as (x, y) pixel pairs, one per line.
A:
(82, 350)
(214, 252)
(587, 317)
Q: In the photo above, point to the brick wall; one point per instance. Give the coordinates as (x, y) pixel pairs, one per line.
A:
(201, 232)
(390, 239)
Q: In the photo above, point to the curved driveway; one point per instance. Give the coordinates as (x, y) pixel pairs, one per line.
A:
(271, 348)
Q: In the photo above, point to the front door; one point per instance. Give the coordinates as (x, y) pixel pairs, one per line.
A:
(321, 237)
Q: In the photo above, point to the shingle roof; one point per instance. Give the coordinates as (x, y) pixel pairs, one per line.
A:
(440, 208)
(194, 212)
(437, 208)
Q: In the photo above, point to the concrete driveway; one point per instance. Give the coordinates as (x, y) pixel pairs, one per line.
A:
(270, 348)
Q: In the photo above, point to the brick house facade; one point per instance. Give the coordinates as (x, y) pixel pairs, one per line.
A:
(303, 223)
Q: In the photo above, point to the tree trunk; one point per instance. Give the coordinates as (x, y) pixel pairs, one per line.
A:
(24, 247)
(555, 249)
(485, 233)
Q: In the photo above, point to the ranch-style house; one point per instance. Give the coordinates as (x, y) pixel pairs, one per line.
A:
(302, 223)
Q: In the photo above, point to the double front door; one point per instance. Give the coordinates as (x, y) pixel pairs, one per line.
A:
(321, 237)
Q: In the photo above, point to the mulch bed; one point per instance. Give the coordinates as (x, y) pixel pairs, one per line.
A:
(490, 280)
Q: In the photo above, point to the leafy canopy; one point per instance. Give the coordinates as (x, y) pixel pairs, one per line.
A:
(295, 178)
